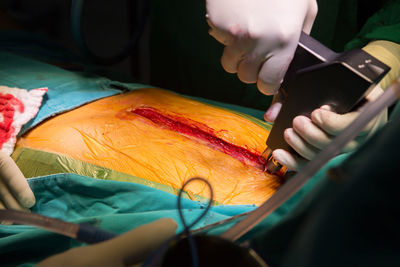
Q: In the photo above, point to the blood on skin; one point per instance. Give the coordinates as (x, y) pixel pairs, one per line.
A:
(180, 125)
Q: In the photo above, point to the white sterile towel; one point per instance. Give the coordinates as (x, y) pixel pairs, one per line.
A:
(17, 107)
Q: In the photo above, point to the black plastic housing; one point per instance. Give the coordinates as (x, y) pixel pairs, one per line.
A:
(319, 76)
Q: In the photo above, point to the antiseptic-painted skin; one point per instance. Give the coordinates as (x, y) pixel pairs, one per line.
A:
(165, 138)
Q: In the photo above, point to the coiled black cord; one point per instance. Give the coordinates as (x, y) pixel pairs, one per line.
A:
(186, 230)
(156, 257)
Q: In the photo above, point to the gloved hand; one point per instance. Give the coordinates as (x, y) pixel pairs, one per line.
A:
(260, 36)
(127, 249)
(309, 136)
(15, 192)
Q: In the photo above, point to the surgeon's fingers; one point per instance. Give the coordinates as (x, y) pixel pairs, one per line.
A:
(334, 123)
(250, 66)
(273, 112)
(299, 145)
(274, 109)
(292, 162)
(310, 132)
(15, 182)
(231, 58)
(315, 136)
(221, 36)
(7, 198)
(272, 72)
(310, 17)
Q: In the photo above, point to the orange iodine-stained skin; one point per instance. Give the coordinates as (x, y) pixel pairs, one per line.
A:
(162, 137)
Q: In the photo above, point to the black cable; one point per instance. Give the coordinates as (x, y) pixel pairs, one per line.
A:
(206, 209)
(155, 258)
(192, 244)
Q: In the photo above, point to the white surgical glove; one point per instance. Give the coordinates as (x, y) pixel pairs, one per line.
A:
(130, 248)
(310, 136)
(15, 192)
(260, 36)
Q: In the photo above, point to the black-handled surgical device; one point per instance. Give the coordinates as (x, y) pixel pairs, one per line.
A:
(318, 76)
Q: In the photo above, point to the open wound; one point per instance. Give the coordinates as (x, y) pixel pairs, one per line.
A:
(189, 128)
